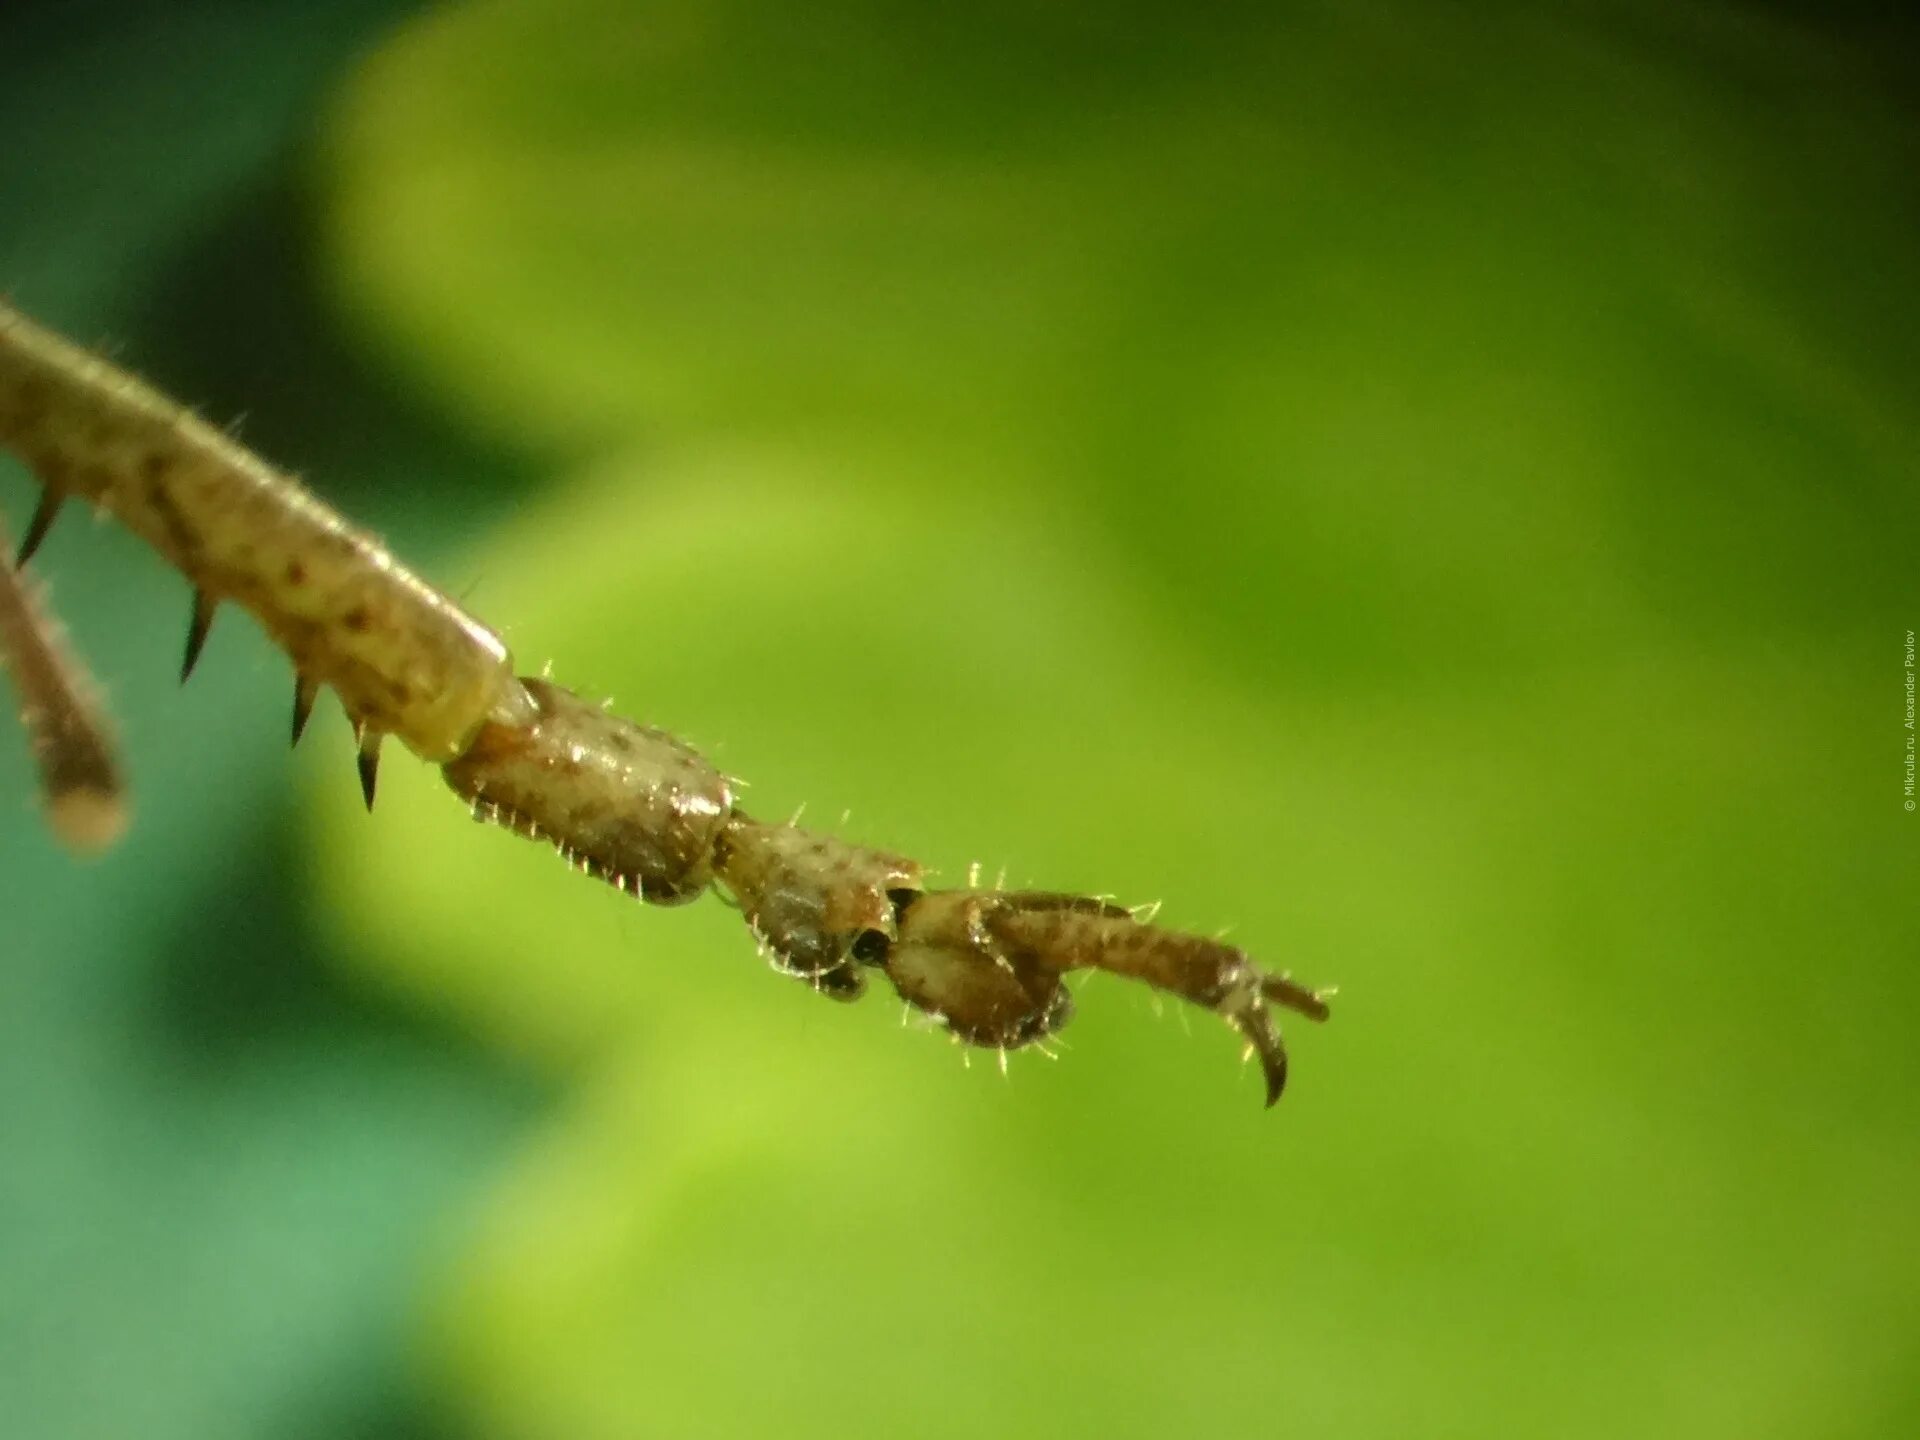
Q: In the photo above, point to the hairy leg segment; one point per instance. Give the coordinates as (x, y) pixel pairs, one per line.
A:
(80, 783)
(632, 805)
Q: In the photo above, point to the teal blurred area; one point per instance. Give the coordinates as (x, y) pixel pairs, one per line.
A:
(1480, 451)
(225, 1176)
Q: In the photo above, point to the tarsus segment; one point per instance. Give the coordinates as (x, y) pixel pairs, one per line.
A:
(645, 812)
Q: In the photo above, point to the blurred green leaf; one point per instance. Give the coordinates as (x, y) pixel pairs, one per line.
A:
(1415, 486)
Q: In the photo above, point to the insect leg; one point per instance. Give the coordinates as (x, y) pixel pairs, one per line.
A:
(80, 781)
(644, 811)
(404, 658)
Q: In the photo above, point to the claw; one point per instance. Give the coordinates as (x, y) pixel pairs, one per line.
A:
(1263, 1038)
(1283, 990)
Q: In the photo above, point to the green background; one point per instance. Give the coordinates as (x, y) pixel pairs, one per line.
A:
(1432, 488)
